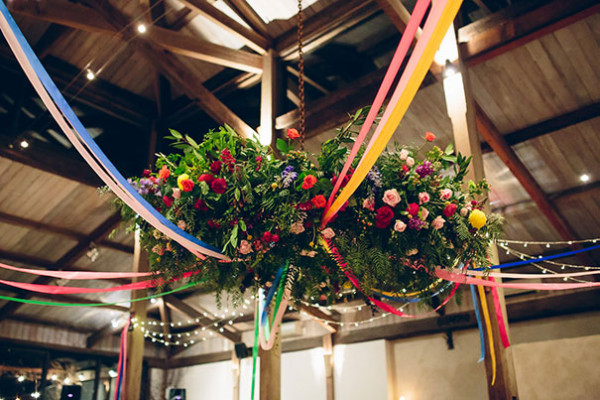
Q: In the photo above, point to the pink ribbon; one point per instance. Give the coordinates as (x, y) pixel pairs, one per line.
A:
(461, 278)
(529, 276)
(500, 316)
(407, 38)
(78, 275)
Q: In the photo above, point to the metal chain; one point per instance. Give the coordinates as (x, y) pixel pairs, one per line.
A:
(301, 75)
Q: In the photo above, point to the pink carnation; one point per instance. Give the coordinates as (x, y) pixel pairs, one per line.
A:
(438, 222)
(369, 203)
(424, 213)
(328, 233)
(297, 228)
(424, 197)
(245, 247)
(391, 197)
(445, 194)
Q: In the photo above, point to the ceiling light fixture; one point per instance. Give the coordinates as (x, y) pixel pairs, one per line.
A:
(90, 75)
(24, 144)
(141, 28)
(584, 178)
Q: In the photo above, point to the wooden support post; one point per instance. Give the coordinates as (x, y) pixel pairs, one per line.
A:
(328, 359)
(135, 340)
(270, 369)
(269, 97)
(461, 110)
(235, 365)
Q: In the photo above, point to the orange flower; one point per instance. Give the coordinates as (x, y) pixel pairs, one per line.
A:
(292, 133)
(319, 201)
(430, 137)
(164, 173)
(309, 182)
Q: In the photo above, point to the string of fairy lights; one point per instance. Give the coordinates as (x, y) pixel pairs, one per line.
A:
(201, 332)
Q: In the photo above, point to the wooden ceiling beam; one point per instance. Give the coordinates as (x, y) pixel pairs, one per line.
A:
(50, 323)
(88, 20)
(550, 125)
(198, 314)
(252, 39)
(398, 14)
(57, 230)
(101, 232)
(52, 35)
(324, 26)
(174, 70)
(106, 331)
(519, 24)
(251, 17)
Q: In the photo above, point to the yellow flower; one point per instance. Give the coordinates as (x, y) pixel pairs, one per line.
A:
(274, 185)
(477, 219)
(249, 237)
(312, 244)
(181, 178)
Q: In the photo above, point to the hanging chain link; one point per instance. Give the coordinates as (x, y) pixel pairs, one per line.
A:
(301, 75)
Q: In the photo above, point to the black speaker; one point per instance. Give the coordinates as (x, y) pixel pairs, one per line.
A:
(176, 394)
(70, 392)
(241, 351)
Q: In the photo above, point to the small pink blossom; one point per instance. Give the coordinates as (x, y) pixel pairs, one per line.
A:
(245, 247)
(328, 233)
(424, 197)
(297, 228)
(158, 249)
(399, 226)
(445, 194)
(369, 203)
(176, 193)
(403, 154)
(310, 253)
(424, 213)
(410, 161)
(438, 222)
(181, 224)
(391, 197)
(464, 212)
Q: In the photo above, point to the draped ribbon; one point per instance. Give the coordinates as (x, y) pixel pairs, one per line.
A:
(535, 260)
(488, 326)
(404, 299)
(268, 330)
(529, 276)
(122, 365)
(255, 347)
(335, 255)
(61, 304)
(479, 324)
(438, 22)
(499, 316)
(78, 275)
(85, 145)
(403, 46)
(461, 278)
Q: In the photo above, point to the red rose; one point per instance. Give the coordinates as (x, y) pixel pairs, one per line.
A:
(319, 201)
(227, 157)
(413, 209)
(308, 224)
(309, 182)
(200, 205)
(430, 137)
(208, 178)
(305, 206)
(405, 169)
(344, 181)
(215, 167)
(292, 134)
(343, 207)
(384, 217)
(219, 185)
(213, 224)
(275, 238)
(187, 185)
(267, 237)
(449, 210)
(168, 201)
(146, 173)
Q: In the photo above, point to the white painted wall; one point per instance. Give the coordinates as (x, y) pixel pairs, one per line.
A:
(303, 375)
(205, 381)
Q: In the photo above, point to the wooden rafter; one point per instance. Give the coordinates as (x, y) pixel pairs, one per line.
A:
(247, 13)
(71, 256)
(250, 38)
(52, 35)
(517, 25)
(89, 20)
(397, 13)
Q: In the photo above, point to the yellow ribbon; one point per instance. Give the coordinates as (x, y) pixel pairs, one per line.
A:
(488, 325)
(449, 12)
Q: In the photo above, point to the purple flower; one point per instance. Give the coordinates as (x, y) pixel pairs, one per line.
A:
(289, 179)
(416, 223)
(375, 176)
(425, 169)
(286, 171)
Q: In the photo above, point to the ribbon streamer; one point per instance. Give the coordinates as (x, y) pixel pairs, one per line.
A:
(403, 46)
(78, 275)
(499, 316)
(79, 137)
(530, 276)
(488, 326)
(479, 324)
(122, 365)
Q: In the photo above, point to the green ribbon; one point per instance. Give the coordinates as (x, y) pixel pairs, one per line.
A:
(58, 304)
(255, 348)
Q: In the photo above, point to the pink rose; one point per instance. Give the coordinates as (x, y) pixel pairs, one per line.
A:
(391, 197)
(438, 222)
(369, 203)
(424, 213)
(399, 226)
(328, 233)
(245, 247)
(181, 224)
(176, 193)
(410, 161)
(445, 194)
(464, 212)
(423, 197)
(403, 154)
(297, 228)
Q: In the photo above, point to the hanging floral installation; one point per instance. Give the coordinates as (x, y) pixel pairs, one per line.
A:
(414, 213)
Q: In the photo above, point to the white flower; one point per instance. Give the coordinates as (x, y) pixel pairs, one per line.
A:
(410, 161)
(403, 154)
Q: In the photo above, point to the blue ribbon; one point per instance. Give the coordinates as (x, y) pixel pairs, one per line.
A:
(270, 294)
(85, 137)
(479, 324)
(534, 260)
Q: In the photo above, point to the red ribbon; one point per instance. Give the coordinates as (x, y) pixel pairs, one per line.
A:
(499, 316)
(78, 275)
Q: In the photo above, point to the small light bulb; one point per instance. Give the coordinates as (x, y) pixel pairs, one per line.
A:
(90, 75)
(54, 377)
(141, 28)
(24, 144)
(67, 380)
(153, 300)
(584, 178)
(21, 378)
(35, 395)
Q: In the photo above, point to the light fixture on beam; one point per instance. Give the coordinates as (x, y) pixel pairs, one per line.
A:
(584, 178)
(24, 144)
(90, 75)
(141, 28)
